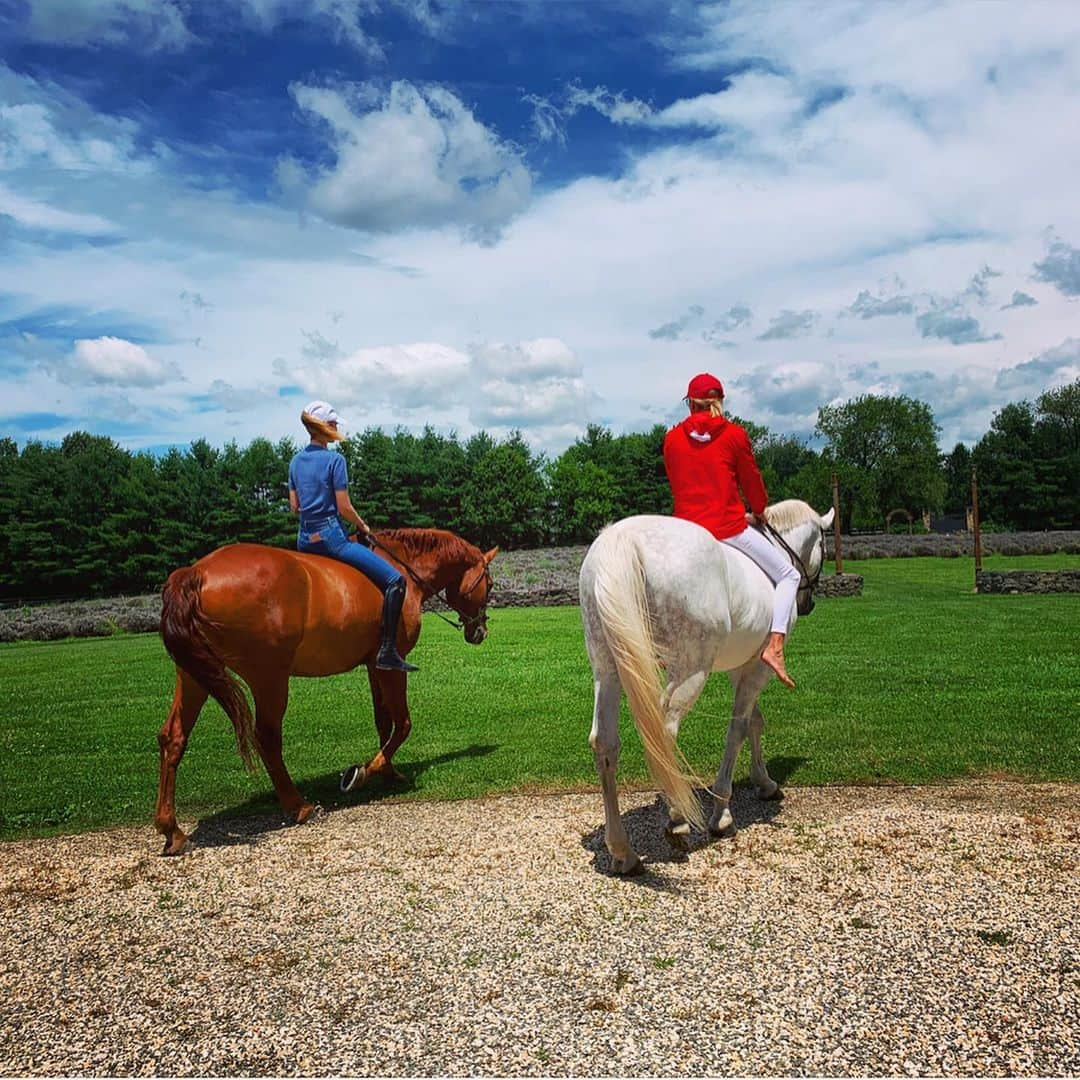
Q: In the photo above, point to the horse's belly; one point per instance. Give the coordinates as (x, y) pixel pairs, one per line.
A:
(739, 648)
(330, 650)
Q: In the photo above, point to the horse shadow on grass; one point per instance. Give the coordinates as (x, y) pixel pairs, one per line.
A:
(645, 827)
(261, 815)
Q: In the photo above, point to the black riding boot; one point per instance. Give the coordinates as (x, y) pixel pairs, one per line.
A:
(388, 658)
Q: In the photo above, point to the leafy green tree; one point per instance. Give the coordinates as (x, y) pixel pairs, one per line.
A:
(781, 459)
(584, 498)
(757, 433)
(886, 454)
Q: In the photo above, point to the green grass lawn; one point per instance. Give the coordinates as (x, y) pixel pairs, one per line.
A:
(916, 680)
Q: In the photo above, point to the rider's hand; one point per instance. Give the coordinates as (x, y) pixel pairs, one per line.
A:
(755, 519)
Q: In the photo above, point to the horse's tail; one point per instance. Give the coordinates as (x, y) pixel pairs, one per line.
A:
(619, 588)
(183, 630)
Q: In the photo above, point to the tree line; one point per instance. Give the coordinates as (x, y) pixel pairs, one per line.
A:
(86, 517)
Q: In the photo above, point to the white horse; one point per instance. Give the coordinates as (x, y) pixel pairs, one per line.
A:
(662, 592)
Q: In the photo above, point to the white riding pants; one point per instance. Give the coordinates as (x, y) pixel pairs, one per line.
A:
(779, 570)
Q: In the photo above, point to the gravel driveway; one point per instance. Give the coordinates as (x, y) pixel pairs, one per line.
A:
(843, 931)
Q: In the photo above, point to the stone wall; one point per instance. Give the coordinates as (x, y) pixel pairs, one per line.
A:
(839, 585)
(1027, 581)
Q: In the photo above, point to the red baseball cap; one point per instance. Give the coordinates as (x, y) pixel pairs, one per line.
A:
(704, 385)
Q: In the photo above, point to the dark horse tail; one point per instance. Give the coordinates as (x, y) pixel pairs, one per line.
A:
(183, 629)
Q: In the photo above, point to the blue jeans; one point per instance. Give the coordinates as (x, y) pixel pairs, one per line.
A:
(332, 541)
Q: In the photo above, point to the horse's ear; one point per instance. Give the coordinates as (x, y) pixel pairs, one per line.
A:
(491, 555)
(827, 520)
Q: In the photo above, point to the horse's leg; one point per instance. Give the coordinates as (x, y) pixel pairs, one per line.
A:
(384, 724)
(767, 787)
(749, 681)
(392, 720)
(271, 693)
(604, 740)
(188, 698)
(683, 689)
(357, 775)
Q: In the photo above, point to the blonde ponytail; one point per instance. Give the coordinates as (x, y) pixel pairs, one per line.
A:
(715, 405)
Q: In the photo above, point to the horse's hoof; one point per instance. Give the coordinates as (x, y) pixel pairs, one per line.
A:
(175, 843)
(723, 824)
(352, 777)
(630, 866)
(773, 794)
(679, 836)
(304, 813)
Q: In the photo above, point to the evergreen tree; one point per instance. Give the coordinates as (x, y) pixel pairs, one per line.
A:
(957, 467)
(505, 500)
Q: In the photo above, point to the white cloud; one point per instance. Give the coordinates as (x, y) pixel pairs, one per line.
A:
(951, 323)
(1055, 367)
(344, 18)
(874, 307)
(32, 214)
(532, 384)
(413, 157)
(121, 363)
(789, 324)
(793, 390)
(616, 107)
(151, 24)
(536, 384)
(1020, 299)
(753, 101)
(1061, 267)
(43, 125)
(887, 142)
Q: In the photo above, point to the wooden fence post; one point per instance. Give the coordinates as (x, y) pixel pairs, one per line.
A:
(836, 526)
(975, 525)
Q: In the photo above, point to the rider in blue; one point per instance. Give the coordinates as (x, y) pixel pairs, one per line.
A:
(319, 493)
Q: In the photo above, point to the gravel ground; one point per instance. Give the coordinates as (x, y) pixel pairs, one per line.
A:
(843, 931)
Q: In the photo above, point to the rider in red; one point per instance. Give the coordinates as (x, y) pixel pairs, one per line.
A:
(708, 461)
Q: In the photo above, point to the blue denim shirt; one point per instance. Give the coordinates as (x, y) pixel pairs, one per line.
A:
(315, 474)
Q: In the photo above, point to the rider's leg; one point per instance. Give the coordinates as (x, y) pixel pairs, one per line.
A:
(786, 579)
(392, 584)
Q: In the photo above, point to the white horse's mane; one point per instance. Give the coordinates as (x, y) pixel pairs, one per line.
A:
(787, 515)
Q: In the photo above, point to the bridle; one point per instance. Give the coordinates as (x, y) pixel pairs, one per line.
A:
(807, 582)
(467, 623)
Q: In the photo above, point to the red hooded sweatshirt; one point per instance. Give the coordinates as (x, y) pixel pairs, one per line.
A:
(708, 459)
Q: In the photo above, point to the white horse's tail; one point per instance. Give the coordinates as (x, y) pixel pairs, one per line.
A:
(621, 605)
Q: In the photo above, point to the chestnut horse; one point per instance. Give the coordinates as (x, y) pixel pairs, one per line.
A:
(267, 613)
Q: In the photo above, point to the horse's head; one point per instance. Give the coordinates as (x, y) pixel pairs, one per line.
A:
(469, 595)
(801, 530)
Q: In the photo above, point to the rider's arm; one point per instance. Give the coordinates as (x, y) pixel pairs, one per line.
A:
(339, 478)
(346, 510)
(294, 502)
(746, 470)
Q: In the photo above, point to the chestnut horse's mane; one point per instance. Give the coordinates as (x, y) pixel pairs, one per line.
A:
(445, 545)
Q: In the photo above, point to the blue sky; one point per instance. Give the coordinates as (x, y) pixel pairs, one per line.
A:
(529, 214)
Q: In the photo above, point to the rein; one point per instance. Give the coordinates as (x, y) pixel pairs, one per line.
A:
(465, 622)
(811, 582)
